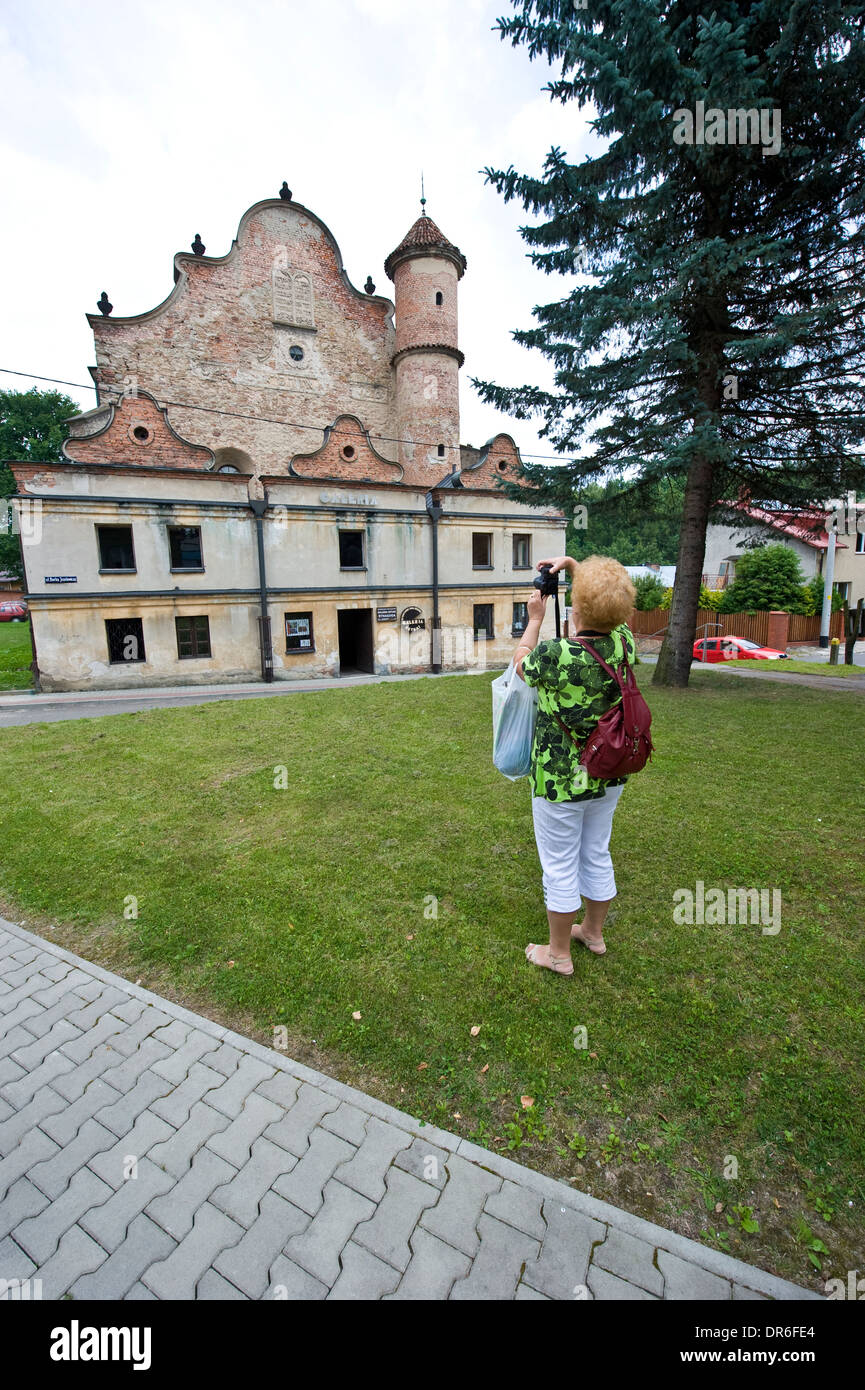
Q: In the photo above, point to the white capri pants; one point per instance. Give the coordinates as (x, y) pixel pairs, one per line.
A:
(573, 839)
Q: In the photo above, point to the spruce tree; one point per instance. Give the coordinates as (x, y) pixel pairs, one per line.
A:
(713, 335)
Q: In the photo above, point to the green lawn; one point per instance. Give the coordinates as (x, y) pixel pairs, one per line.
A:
(708, 1047)
(16, 654)
(810, 668)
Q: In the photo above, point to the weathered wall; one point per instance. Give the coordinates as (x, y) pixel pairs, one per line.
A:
(222, 339)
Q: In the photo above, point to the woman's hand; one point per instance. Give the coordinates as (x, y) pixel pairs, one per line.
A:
(536, 606)
(564, 562)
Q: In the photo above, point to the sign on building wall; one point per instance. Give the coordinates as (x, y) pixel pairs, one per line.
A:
(385, 615)
(61, 579)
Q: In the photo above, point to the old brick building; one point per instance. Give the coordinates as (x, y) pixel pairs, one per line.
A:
(272, 483)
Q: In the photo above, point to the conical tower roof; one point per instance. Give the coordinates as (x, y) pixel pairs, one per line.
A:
(425, 238)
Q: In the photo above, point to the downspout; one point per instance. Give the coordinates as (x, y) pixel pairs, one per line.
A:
(434, 510)
(259, 506)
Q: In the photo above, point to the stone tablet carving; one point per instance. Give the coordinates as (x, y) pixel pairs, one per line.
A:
(293, 298)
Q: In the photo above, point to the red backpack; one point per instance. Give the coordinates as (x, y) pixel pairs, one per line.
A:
(621, 742)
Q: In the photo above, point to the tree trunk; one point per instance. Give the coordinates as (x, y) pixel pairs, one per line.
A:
(676, 654)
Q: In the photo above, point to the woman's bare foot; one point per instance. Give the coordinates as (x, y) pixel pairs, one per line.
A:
(540, 955)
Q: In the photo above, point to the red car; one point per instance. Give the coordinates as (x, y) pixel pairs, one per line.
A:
(14, 610)
(734, 649)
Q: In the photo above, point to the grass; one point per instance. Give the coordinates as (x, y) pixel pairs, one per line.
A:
(16, 654)
(283, 863)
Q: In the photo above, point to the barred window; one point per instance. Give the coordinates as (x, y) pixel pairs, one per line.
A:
(193, 637)
(125, 640)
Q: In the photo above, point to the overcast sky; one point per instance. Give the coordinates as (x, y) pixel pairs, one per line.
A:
(127, 128)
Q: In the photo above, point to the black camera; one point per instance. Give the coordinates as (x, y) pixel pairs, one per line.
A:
(546, 582)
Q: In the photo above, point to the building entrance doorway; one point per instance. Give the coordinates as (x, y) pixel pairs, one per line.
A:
(355, 641)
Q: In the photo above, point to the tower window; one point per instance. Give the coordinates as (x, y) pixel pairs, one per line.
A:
(441, 451)
(440, 299)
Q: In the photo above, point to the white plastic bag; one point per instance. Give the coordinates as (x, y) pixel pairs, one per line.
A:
(515, 713)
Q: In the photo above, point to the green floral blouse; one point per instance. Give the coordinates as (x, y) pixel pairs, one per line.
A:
(571, 684)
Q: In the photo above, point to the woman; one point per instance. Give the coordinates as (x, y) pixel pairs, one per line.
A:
(572, 812)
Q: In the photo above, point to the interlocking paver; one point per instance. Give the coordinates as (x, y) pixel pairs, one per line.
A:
(175, 1154)
(15, 1039)
(41, 1234)
(226, 1059)
(177, 1103)
(125, 1071)
(304, 1184)
(61, 1037)
(630, 1259)
(347, 1121)
(602, 1284)
(144, 1027)
(77, 1254)
(363, 1275)
(21, 1201)
(145, 1243)
(53, 1174)
(113, 1165)
(565, 1254)
(23, 1085)
(231, 1097)
(14, 1264)
(293, 1130)
(387, 1233)
(497, 1266)
(212, 1286)
(318, 1249)
(33, 1148)
(63, 1125)
(109, 1223)
(12, 1017)
(139, 1292)
(179, 1063)
(247, 1264)
(365, 1172)
(281, 1088)
(73, 1082)
(9, 1072)
(683, 1280)
(241, 1197)
(526, 1295)
(237, 1140)
(177, 1276)
(83, 1044)
(291, 1283)
(121, 1116)
(519, 1207)
(174, 1210)
(424, 1161)
(433, 1269)
(98, 1009)
(455, 1217)
(130, 1010)
(49, 996)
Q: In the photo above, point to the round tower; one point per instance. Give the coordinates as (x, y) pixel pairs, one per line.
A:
(426, 269)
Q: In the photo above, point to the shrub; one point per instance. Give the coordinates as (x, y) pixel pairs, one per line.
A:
(767, 577)
(650, 591)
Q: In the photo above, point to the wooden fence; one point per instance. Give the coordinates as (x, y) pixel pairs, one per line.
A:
(754, 626)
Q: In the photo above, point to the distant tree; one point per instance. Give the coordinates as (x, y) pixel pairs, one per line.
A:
(650, 592)
(711, 329)
(32, 426)
(639, 528)
(767, 577)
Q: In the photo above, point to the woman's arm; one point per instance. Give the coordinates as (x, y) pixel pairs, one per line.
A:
(537, 606)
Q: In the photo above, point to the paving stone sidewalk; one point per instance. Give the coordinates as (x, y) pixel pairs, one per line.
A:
(148, 1153)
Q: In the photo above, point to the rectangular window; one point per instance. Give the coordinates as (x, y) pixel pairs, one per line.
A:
(125, 640)
(482, 550)
(522, 552)
(860, 542)
(484, 620)
(298, 632)
(115, 548)
(185, 544)
(521, 619)
(351, 550)
(842, 588)
(193, 637)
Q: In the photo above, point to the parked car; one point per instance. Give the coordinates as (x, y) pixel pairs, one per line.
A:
(734, 649)
(13, 610)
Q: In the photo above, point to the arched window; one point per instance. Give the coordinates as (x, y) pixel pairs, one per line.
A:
(440, 299)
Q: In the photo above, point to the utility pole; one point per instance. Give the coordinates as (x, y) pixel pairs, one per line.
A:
(828, 580)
